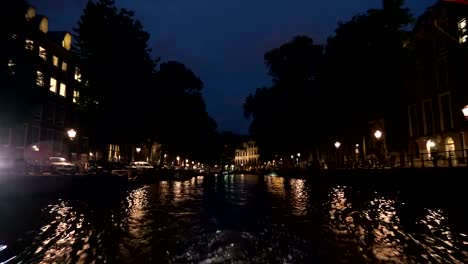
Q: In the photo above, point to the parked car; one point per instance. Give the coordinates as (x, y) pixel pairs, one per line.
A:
(141, 165)
(61, 166)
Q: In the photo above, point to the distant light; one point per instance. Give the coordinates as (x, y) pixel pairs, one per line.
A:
(165, 155)
(35, 148)
(298, 154)
(337, 145)
(465, 111)
(378, 134)
(138, 150)
(292, 156)
(71, 133)
(91, 154)
(357, 145)
(178, 158)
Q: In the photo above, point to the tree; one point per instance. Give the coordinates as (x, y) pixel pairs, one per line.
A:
(117, 72)
(364, 63)
(281, 114)
(185, 127)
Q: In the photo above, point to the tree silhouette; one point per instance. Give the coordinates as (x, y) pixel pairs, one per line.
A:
(364, 68)
(281, 113)
(117, 71)
(185, 128)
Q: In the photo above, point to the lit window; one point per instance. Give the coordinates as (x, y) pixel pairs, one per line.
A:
(462, 24)
(63, 88)
(40, 79)
(76, 95)
(42, 53)
(77, 74)
(464, 39)
(463, 30)
(53, 85)
(29, 44)
(64, 66)
(55, 61)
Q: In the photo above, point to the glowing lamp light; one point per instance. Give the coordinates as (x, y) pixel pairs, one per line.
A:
(138, 150)
(91, 154)
(298, 154)
(465, 111)
(178, 158)
(71, 134)
(431, 144)
(337, 144)
(378, 134)
(35, 148)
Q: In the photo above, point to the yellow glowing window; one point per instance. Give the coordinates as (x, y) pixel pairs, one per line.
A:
(462, 25)
(77, 74)
(55, 61)
(76, 95)
(64, 66)
(63, 89)
(29, 44)
(42, 53)
(40, 79)
(53, 85)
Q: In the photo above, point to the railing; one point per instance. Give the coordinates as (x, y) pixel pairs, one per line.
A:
(456, 158)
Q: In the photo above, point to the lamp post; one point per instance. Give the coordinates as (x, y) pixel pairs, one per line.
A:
(378, 135)
(138, 152)
(337, 146)
(178, 160)
(71, 135)
(298, 157)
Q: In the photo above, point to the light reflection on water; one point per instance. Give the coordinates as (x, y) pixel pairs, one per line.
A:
(243, 219)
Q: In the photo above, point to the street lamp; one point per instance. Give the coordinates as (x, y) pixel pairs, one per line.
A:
(138, 150)
(378, 134)
(299, 155)
(178, 159)
(465, 112)
(71, 134)
(337, 145)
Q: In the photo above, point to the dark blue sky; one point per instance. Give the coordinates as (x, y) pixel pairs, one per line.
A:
(223, 41)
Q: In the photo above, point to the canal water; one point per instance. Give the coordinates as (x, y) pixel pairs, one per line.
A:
(235, 219)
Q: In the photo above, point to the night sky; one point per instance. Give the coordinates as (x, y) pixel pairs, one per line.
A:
(223, 42)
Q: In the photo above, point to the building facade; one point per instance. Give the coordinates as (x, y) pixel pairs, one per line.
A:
(247, 156)
(41, 62)
(436, 125)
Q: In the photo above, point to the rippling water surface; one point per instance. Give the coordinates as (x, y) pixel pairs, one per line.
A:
(240, 219)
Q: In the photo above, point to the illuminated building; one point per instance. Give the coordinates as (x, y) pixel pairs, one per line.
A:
(438, 90)
(247, 156)
(40, 62)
